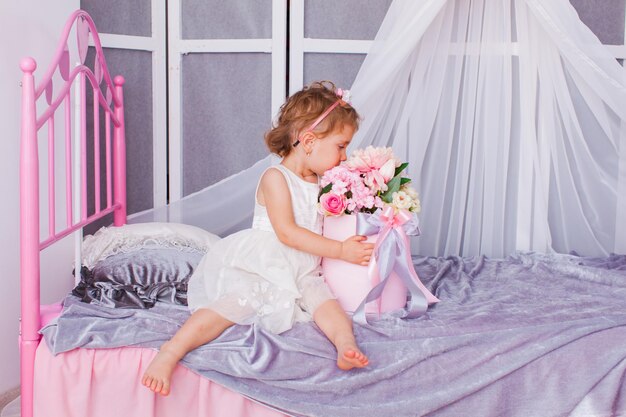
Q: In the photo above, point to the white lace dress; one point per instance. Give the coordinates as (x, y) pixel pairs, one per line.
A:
(251, 277)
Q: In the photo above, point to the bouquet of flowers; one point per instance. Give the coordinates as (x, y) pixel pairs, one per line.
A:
(368, 195)
(369, 179)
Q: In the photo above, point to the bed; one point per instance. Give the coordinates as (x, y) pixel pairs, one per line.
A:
(528, 335)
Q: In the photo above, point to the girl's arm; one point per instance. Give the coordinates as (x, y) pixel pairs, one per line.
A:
(274, 194)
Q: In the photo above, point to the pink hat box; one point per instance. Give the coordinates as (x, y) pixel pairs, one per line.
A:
(350, 282)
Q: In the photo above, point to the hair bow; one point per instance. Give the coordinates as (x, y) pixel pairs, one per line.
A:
(344, 95)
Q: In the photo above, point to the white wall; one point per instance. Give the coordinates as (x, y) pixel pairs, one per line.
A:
(27, 28)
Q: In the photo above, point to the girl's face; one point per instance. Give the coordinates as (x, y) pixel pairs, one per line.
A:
(330, 151)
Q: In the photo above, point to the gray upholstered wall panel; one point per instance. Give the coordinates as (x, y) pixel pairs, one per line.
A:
(136, 67)
(226, 111)
(121, 17)
(604, 17)
(338, 68)
(345, 19)
(232, 19)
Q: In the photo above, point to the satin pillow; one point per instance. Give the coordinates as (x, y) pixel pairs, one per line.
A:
(140, 277)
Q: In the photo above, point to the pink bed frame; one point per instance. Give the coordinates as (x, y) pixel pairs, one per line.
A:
(53, 371)
(30, 244)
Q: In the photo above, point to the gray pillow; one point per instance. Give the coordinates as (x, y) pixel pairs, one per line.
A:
(139, 278)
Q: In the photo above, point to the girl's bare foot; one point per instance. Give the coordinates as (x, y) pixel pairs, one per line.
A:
(349, 356)
(157, 376)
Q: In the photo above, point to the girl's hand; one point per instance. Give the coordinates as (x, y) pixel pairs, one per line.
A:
(353, 250)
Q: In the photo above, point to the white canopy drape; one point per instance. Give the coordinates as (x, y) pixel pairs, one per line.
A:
(511, 115)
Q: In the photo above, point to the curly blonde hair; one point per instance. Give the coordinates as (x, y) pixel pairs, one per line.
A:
(302, 109)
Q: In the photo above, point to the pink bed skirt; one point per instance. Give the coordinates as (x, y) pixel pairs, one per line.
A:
(106, 383)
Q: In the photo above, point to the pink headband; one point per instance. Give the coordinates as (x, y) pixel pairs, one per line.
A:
(343, 99)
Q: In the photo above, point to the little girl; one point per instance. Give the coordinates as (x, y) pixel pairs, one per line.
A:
(270, 275)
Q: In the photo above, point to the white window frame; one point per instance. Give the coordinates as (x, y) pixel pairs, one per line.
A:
(276, 46)
(299, 45)
(157, 46)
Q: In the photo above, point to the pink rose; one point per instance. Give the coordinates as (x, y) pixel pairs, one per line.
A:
(332, 204)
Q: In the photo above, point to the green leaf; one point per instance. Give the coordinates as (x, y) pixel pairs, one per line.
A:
(392, 187)
(401, 168)
(394, 184)
(387, 198)
(405, 181)
(324, 191)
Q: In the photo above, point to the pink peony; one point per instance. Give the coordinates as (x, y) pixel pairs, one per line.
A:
(388, 170)
(370, 158)
(332, 204)
(375, 181)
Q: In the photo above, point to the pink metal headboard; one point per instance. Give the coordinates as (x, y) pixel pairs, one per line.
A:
(111, 103)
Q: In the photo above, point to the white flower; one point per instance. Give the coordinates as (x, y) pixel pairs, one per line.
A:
(402, 200)
(416, 207)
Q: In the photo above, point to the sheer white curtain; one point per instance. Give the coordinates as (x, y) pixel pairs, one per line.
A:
(511, 115)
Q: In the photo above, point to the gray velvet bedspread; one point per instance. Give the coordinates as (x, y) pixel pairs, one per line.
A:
(529, 335)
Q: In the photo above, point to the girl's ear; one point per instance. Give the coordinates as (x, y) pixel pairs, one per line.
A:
(307, 139)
